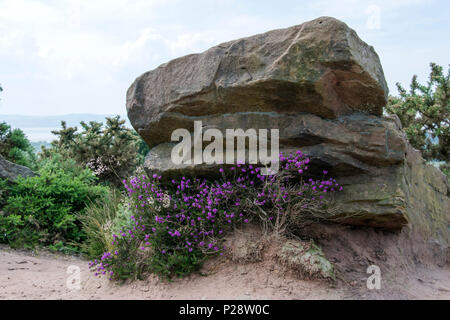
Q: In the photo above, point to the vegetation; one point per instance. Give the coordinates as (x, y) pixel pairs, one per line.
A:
(42, 210)
(63, 207)
(110, 151)
(91, 196)
(424, 112)
(178, 224)
(102, 219)
(15, 147)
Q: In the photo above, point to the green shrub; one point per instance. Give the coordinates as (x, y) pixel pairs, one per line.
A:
(60, 246)
(42, 210)
(3, 185)
(15, 147)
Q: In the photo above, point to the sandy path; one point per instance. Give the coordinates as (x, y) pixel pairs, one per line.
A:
(44, 276)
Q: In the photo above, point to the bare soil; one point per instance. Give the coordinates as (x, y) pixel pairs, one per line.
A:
(43, 275)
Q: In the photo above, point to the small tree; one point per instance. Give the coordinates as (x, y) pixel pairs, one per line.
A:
(109, 151)
(424, 112)
(15, 147)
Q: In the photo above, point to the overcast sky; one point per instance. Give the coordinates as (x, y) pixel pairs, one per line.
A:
(80, 56)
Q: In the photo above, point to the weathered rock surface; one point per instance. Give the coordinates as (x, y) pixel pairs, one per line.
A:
(320, 67)
(10, 170)
(348, 145)
(306, 259)
(324, 89)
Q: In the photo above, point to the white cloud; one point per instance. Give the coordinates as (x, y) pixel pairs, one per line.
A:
(28, 12)
(65, 36)
(87, 52)
(190, 42)
(133, 49)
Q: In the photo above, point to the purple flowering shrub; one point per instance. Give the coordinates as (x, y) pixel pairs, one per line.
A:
(285, 201)
(177, 225)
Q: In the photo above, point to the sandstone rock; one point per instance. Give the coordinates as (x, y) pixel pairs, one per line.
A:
(349, 145)
(324, 89)
(320, 67)
(306, 259)
(10, 170)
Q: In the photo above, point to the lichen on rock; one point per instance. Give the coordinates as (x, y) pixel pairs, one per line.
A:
(306, 259)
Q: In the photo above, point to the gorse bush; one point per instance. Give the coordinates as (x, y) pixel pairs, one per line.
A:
(424, 112)
(109, 150)
(178, 224)
(42, 210)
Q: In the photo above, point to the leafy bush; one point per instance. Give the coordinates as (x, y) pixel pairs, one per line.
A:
(42, 210)
(177, 225)
(424, 112)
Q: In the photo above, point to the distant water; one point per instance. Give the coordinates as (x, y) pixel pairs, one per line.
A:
(38, 128)
(39, 134)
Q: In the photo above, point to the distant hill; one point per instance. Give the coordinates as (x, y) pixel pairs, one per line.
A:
(38, 128)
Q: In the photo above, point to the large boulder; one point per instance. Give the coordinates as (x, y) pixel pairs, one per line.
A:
(10, 170)
(320, 67)
(323, 88)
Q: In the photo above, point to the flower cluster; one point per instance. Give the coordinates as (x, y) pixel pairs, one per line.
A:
(177, 224)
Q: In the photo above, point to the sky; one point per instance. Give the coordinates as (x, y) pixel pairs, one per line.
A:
(80, 56)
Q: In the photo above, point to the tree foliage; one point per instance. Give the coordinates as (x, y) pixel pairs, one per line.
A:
(15, 147)
(110, 151)
(424, 112)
